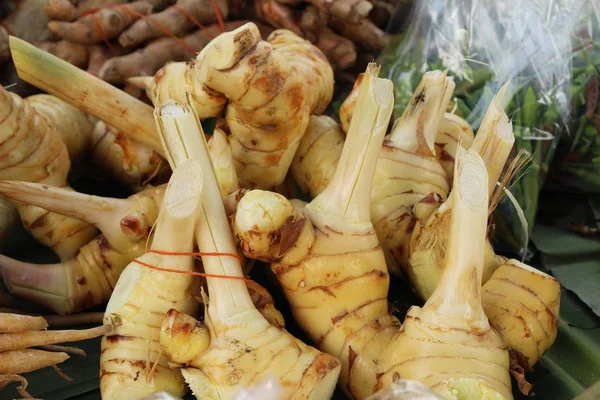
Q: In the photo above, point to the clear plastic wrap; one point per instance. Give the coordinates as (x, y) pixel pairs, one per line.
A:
(484, 44)
(577, 165)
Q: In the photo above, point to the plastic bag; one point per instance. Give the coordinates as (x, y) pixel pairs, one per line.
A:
(404, 389)
(484, 44)
(577, 165)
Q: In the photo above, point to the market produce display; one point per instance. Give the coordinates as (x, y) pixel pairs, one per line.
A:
(211, 274)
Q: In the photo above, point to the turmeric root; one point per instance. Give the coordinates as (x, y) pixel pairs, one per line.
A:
(365, 33)
(70, 123)
(104, 24)
(61, 10)
(33, 151)
(340, 51)
(327, 254)
(352, 11)
(27, 21)
(157, 53)
(100, 55)
(85, 6)
(73, 53)
(175, 20)
(130, 162)
(243, 345)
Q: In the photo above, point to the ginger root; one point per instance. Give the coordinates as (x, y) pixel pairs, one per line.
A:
(175, 20)
(61, 10)
(74, 53)
(104, 24)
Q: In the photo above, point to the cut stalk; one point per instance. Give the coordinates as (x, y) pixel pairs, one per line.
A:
(351, 204)
(495, 139)
(85, 91)
(183, 139)
(326, 255)
(132, 364)
(457, 297)
(416, 129)
(448, 344)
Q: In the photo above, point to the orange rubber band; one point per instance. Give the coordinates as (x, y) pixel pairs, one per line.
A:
(194, 273)
(195, 254)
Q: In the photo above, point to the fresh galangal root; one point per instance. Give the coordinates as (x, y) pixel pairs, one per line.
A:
(271, 87)
(33, 151)
(132, 364)
(326, 256)
(236, 346)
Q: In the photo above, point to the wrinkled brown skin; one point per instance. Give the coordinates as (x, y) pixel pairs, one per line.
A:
(148, 60)
(61, 10)
(278, 15)
(104, 24)
(353, 11)
(33, 151)
(174, 20)
(340, 51)
(365, 33)
(87, 5)
(74, 53)
(28, 21)
(100, 54)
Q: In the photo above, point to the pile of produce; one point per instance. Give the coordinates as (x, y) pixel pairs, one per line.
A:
(175, 261)
(121, 39)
